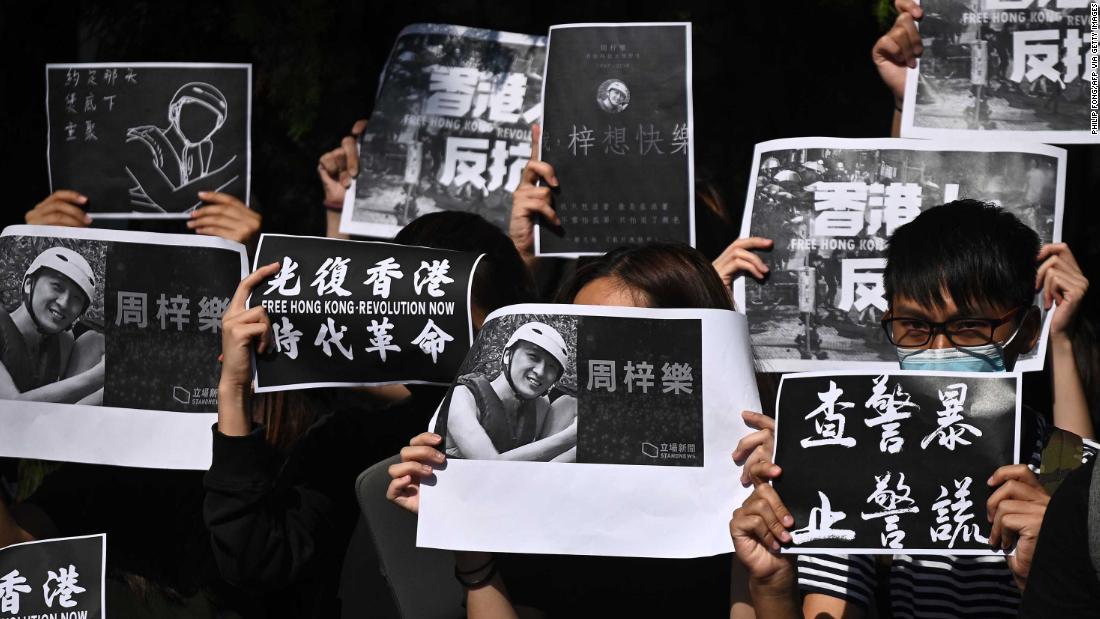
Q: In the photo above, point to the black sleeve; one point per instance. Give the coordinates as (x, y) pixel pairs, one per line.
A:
(1062, 581)
(262, 536)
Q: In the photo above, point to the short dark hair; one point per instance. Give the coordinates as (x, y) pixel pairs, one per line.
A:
(979, 253)
(501, 278)
(665, 274)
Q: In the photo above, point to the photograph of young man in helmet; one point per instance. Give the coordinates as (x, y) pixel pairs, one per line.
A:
(40, 357)
(170, 166)
(510, 416)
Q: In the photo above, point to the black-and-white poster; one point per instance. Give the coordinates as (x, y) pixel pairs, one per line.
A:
(141, 140)
(110, 344)
(1018, 69)
(617, 127)
(893, 463)
(627, 407)
(60, 578)
(450, 129)
(830, 204)
(353, 313)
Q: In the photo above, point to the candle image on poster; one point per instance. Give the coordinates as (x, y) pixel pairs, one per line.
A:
(450, 129)
(617, 129)
(141, 140)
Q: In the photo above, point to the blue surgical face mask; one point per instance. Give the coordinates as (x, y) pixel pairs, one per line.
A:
(987, 358)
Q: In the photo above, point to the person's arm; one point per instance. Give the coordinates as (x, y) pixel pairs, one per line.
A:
(11, 532)
(1016, 509)
(336, 168)
(563, 411)
(160, 190)
(475, 444)
(529, 202)
(1062, 581)
(1062, 282)
(262, 534)
(67, 390)
(897, 50)
(759, 528)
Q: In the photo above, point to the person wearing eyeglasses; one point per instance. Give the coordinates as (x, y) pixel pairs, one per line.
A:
(960, 280)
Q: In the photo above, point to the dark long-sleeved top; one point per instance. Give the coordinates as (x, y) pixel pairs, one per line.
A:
(282, 525)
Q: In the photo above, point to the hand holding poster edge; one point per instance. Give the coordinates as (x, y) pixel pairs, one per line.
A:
(259, 388)
(794, 549)
(1033, 362)
(133, 214)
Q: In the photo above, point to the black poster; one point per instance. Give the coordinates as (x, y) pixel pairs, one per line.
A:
(141, 140)
(347, 313)
(589, 389)
(888, 463)
(54, 578)
(450, 129)
(617, 129)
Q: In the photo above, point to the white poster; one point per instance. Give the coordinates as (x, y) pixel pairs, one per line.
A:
(620, 442)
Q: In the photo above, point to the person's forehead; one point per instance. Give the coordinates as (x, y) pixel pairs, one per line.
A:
(948, 309)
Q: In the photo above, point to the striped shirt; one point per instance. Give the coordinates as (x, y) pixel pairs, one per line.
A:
(925, 586)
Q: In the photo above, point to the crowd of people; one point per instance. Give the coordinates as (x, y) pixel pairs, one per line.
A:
(264, 532)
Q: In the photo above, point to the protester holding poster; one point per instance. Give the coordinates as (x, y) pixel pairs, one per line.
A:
(303, 515)
(960, 279)
(656, 275)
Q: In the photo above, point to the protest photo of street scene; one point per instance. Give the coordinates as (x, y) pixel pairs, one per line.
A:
(51, 319)
(1003, 65)
(830, 206)
(450, 130)
(515, 397)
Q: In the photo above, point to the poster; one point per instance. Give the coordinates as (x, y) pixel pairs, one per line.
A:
(830, 204)
(1012, 69)
(140, 140)
(356, 313)
(893, 463)
(128, 326)
(622, 415)
(450, 129)
(60, 578)
(617, 127)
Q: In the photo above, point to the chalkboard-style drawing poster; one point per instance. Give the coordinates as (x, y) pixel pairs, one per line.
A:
(141, 140)
(450, 129)
(109, 344)
(617, 127)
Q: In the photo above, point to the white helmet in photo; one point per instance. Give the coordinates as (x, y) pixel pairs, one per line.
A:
(545, 337)
(68, 263)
